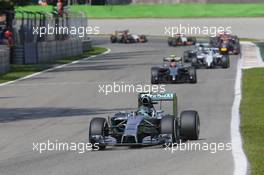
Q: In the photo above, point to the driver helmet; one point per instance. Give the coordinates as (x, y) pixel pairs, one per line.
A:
(174, 60)
(146, 101)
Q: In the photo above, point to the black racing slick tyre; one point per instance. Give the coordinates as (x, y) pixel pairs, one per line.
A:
(194, 62)
(98, 127)
(154, 75)
(194, 40)
(186, 56)
(143, 39)
(189, 125)
(113, 39)
(226, 63)
(169, 125)
(192, 75)
(170, 41)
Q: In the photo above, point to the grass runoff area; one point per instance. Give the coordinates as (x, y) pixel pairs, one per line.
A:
(252, 115)
(19, 71)
(162, 10)
(252, 121)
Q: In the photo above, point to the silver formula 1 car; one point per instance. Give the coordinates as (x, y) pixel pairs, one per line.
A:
(146, 125)
(210, 58)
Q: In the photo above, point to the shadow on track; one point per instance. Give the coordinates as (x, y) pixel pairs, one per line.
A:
(15, 114)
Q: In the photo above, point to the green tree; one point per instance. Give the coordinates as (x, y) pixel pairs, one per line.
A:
(10, 4)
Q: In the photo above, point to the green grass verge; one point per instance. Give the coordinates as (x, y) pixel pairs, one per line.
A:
(261, 48)
(163, 10)
(33, 8)
(252, 121)
(19, 71)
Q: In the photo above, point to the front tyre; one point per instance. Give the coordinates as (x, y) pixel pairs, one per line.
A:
(99, 128)
(226, 62)
(186, 56)
(113, 39)
(189, 125)
(192, 75)
(154, 75)
(168, 125)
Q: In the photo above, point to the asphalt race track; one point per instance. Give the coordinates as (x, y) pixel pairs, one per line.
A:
(59, 104)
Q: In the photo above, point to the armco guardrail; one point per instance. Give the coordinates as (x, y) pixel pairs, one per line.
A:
(4, 59)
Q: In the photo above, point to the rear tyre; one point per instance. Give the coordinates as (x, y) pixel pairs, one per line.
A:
(170, 41)
(143, 39)
(168, 125)
(186, 56)
(113, 39)
(99, 127)
(175, 41)
(226, 62)
(193, 40)
(154, 75)
(194, 62)
(192, 75)
(190, 125)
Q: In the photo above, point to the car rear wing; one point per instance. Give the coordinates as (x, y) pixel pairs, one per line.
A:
(169, 58)
(159, 97)
(121, 31)
(202, 44)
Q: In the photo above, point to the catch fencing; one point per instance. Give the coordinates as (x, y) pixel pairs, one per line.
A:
(31, 48)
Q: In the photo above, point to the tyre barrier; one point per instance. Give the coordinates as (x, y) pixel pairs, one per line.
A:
(53, 50)
(50, 51)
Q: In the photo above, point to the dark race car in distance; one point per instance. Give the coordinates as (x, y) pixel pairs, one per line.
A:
(126, 37)
(228, 41)
(146, 125)
(173, 71)
(181, 40)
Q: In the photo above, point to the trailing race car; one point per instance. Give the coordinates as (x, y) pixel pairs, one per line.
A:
(188, 55)
(228, 41)
(181, 40)
(126, 37)
(146, 125)
(173, 71)
(210, 58)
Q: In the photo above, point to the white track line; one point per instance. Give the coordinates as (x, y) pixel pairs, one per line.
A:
(239, 157)
(54, 68)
